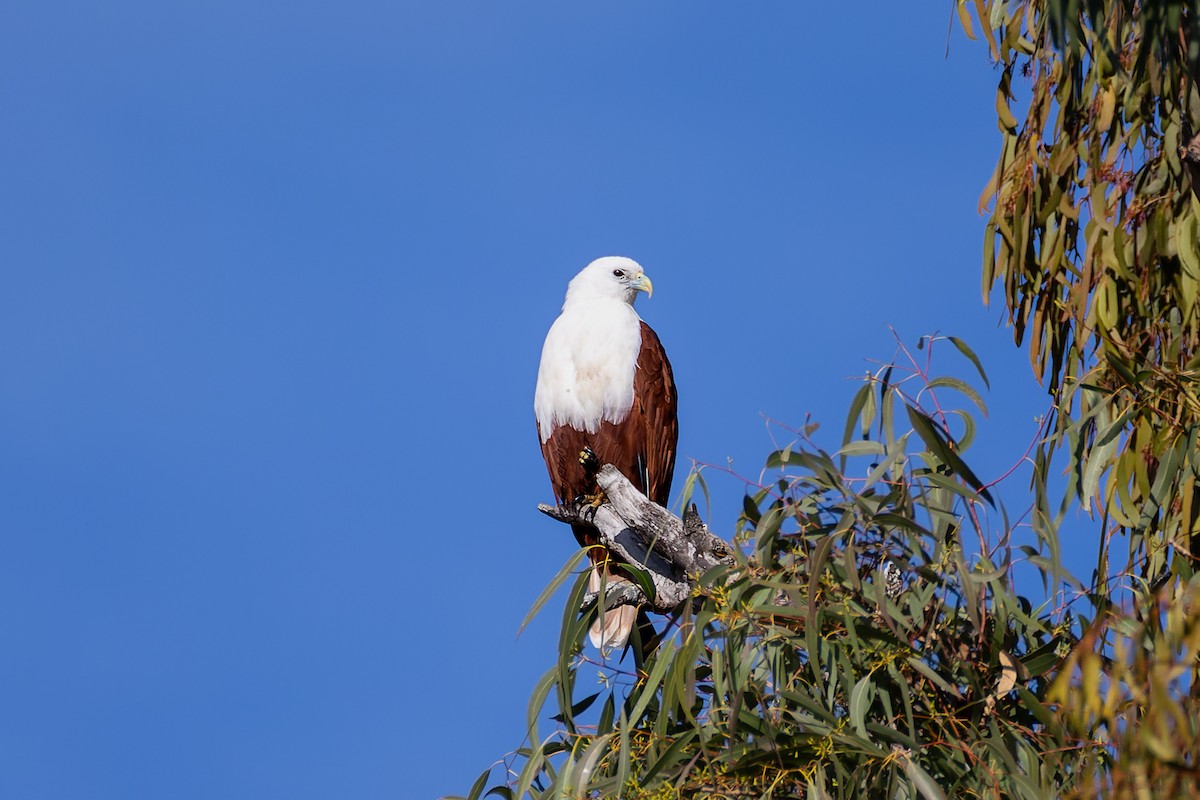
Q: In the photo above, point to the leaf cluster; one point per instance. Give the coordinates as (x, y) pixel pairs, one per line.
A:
(869, 640)
(1092, 238)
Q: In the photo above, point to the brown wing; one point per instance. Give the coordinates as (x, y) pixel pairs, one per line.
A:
(655, 412)
(642, 446)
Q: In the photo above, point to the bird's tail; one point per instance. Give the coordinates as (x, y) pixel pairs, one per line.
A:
(611, 629)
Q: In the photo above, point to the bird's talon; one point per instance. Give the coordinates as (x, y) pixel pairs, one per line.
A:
(588, 504)
(589, 460)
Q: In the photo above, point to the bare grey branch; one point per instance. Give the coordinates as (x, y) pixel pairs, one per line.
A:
(673, 551)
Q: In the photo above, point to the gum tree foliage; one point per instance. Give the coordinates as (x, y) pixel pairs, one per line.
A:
(868, 641)
(1092, 239)
(889, 629)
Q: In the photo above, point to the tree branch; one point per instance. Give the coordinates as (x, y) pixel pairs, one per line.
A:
(674, 552)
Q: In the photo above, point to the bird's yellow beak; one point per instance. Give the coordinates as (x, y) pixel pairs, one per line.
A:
(642, 284)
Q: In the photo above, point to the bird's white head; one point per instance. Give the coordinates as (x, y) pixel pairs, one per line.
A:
(609, 278)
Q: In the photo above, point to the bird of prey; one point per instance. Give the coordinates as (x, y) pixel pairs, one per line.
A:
(604, 383)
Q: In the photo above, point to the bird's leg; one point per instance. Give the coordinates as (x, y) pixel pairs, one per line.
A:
(589, 503)
(590, 462)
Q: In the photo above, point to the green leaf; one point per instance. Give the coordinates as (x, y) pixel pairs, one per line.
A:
(921, 779)
(967, 351)
(1120, 366)
(541, 690)
(767, 531)
(1114, 430)
(960, 386)
(480, 782)
(643, 580)
(577, 773)
(647, 690)
(532, 768)
(816, 566)
(859, 700)
(1044, 715)
(898, 521)
(862, 447)
(750, 509)
(623, 753)
(926, 670)
(1096, 463)
(968, 435)
(570, 642)
(580, 707)
(895, 455)
(553, 586)
(669, 757)
(856, 407)
(941, 448)
(783, 458)
(951, 485)
(694, 479)
(606, 714)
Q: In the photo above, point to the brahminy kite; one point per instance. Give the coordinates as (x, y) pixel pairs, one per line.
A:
(605, 383)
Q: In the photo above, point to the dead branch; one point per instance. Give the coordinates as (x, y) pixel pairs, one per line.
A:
(674, 552)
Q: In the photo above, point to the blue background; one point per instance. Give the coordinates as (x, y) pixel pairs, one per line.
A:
(274, 279)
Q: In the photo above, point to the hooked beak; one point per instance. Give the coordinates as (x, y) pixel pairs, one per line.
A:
(642, 284)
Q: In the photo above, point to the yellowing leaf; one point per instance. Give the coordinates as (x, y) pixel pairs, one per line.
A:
(964, 17)
(1008, 122)
(1108, 104)
(1008, 675)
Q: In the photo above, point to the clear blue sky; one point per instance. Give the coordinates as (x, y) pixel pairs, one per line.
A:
(274, 282)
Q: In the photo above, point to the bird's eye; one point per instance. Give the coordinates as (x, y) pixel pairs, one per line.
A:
(620, 273)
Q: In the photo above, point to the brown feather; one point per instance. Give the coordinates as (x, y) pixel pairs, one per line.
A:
(642, 447)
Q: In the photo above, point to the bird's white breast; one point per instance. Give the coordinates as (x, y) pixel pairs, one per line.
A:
(588, 364)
